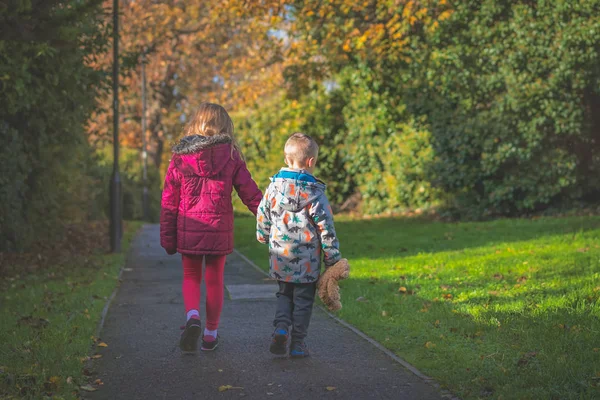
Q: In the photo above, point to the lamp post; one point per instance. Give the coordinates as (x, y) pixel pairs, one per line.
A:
(116, 223)
(144, 150)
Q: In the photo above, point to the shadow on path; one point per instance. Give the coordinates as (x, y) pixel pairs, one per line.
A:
(143, 361)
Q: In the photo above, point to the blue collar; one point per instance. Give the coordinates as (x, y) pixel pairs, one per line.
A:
(299, 175)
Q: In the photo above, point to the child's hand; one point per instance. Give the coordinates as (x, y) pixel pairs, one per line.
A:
(171, 251)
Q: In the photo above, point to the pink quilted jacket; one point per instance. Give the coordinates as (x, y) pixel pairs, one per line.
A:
(197, 214)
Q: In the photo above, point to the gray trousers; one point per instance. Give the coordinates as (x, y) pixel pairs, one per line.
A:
(294, 307)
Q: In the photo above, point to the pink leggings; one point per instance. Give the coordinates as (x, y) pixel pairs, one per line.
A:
(213, 278)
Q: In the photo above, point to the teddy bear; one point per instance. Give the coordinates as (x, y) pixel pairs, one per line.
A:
(328, 288)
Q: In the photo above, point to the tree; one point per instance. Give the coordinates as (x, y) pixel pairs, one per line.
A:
(196, 51)
(48, 91)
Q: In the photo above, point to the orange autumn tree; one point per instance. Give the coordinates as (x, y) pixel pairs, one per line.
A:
(346, 67)
(195, 51)
(330, 35)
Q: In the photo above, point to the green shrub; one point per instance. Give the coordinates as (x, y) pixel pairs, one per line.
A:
(48, 92)
(511, 92)
(387, 150)
(130, 168)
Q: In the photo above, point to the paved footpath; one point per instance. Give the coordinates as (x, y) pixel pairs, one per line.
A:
(143, 361)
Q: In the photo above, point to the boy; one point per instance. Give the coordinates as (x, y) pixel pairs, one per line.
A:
(295, 219)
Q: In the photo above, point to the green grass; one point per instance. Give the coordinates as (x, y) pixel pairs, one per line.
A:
(505, 310)
(47, 322)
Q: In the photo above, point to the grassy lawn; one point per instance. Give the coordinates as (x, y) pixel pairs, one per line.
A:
(47, 321)
(505, 310)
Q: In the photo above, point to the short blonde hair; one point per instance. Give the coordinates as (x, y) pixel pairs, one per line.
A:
(300, 147)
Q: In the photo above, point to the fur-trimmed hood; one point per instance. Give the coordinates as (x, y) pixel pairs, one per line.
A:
(202, 155)
(195, 143)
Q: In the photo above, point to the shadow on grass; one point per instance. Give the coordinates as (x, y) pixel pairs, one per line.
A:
(401, 237)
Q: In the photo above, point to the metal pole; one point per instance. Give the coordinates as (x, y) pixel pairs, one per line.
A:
(116, 223)
(144, 149)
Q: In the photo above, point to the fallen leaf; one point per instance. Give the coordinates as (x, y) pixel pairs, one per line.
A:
(522, 279)
(102, 344)
(330, 388)
(445, 287)
(224, 388)
(447, 296)
(88, 388)
(70, 380)
(429, 345)
(87, 372)
(384, 313)
(596, 349)
(96, 356)
(54, 379)
(402, 289)
(526, 357)
(99, 382)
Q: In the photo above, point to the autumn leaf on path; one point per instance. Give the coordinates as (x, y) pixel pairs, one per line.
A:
(330, 388)
(224, 388)
(102, 344)
(88, 388)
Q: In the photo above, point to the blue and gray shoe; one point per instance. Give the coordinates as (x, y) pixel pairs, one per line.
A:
(299, 349)
(279, 340)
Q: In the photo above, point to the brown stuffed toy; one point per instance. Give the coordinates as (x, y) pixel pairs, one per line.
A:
(329, 290)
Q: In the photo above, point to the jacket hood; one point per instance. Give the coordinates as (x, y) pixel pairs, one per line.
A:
(296, 189)
(202, 155)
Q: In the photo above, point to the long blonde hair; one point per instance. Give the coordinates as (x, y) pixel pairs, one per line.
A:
(210, 120)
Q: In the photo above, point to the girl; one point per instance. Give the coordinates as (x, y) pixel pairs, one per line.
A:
(196, 218)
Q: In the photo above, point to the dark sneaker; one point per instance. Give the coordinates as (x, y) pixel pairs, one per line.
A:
(279, 341)
(189, 337)
(209, 343)
(299, 349)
